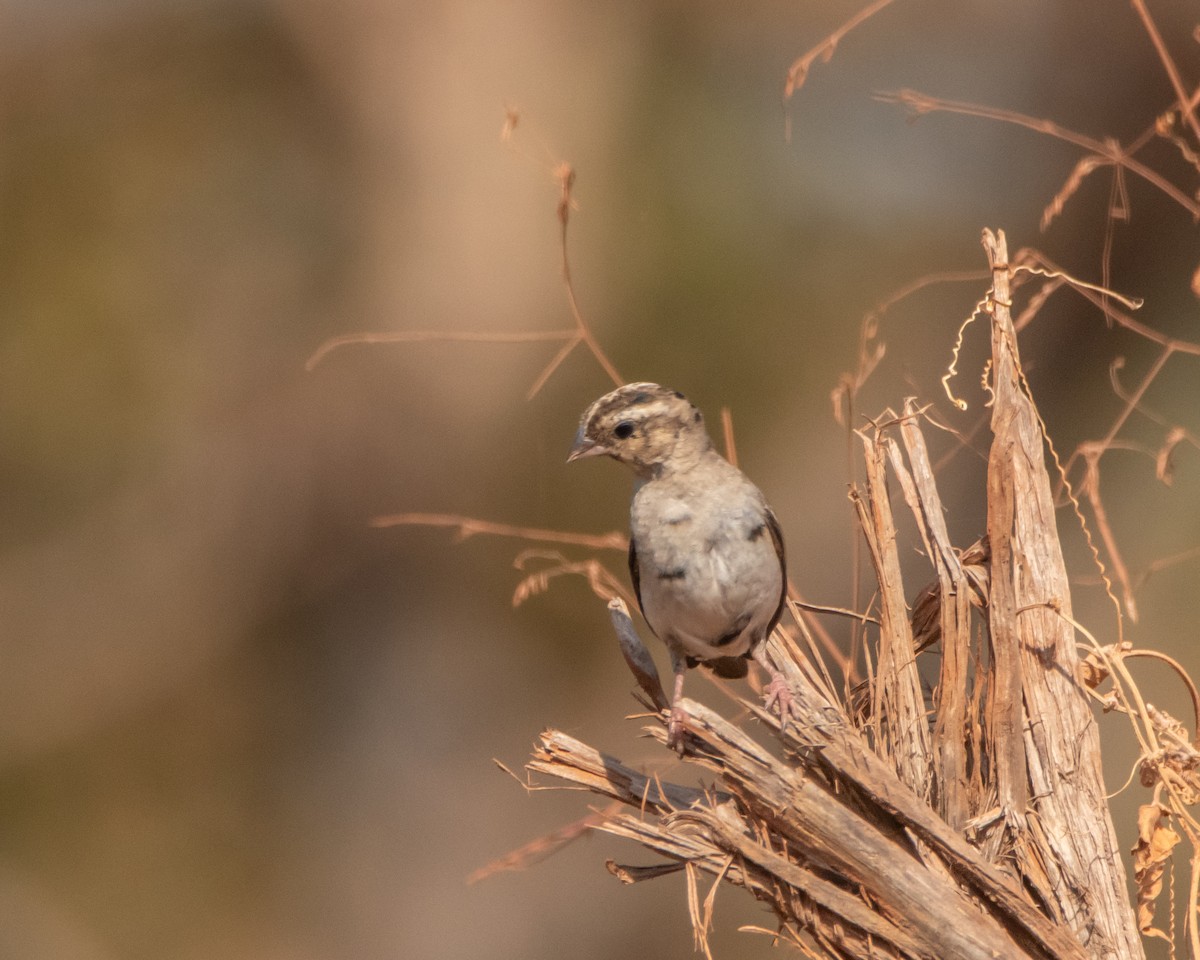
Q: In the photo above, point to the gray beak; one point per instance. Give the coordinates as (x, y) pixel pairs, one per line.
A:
(584, 446)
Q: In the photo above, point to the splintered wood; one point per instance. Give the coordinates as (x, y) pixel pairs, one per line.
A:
(972, 827)
(1029, 615)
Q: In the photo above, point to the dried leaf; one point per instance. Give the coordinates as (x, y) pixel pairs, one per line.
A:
(1178, 763)
(1096, 666)
(1150, 856)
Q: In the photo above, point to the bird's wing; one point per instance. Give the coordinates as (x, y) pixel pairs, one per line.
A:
(635, 575)
(777, 540)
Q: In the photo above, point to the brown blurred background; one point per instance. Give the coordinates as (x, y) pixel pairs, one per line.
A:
(237, 722)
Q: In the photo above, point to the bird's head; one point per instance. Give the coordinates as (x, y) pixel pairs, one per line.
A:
(643, 425)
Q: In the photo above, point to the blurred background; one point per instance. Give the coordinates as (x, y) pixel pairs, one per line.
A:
(235, 720)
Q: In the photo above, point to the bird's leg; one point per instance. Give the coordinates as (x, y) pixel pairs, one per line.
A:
(678, 714)
(777, 693)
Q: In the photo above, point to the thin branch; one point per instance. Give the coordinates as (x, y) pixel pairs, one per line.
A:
(1130, 303)
(470, 526)
(1136, 397)
(1165, 562)
(1122, 319)
(1172, 71)
(824, 51)
(433, 336)
(1176, 433)
(540, 848)
(1188, 682)
(1093, 450)
(565, 175)
(565, 351)
(1110, 150)
(837, 611)
(602, 582)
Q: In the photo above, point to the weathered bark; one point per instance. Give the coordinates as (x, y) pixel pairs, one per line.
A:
(900, 728)
(1043, 722)
(950, 726)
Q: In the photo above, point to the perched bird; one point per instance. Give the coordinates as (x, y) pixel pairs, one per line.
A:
(705, 551)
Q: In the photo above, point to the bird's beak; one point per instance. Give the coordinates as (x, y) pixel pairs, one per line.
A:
(584, 446)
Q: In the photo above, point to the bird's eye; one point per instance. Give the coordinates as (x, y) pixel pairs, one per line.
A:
(623, 430)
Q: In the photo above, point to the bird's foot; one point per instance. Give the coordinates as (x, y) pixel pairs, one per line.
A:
(675, 728)
(778, 694)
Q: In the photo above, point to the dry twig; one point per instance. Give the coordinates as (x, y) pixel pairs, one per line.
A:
(580, 333)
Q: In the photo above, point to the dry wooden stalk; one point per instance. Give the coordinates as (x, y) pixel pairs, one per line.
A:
(1074, 847)
(978, 832)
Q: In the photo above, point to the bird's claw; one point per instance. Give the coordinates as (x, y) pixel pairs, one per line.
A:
(778, 694)
(675, 731)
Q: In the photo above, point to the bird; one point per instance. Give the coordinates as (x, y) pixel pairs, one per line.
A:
(706, 553)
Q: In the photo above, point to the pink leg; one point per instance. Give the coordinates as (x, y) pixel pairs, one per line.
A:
(777, 693)
(678, 714)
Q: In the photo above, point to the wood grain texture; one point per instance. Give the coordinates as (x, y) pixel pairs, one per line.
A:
(1043, 729)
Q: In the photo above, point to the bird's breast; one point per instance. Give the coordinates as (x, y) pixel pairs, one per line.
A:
(708, 584)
